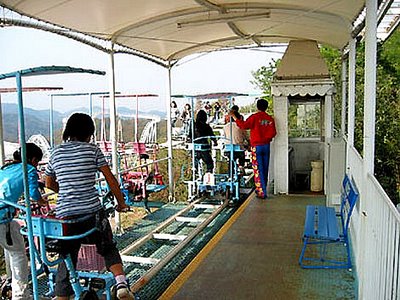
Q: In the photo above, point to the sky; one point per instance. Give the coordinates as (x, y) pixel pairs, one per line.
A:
(222, 71)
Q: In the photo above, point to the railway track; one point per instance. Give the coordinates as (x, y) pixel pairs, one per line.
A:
(158, 247)
(156, 258)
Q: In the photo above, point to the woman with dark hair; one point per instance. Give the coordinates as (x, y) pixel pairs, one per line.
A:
(202, 129)
(71, 172)
(262, 131)
(11, 189)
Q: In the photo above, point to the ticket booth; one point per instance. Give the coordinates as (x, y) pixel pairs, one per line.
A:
(302, 97)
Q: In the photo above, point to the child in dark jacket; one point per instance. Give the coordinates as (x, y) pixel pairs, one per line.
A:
(202, 129)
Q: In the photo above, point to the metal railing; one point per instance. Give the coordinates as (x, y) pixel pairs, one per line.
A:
(375, 236)
(380, 277)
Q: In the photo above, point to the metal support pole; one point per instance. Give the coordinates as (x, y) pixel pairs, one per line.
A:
(22, 143)
(137, 120)
(231, 142)
(344, 96)
(51, 122)
(113, 131)
(91, 105)
(191, 131)
(328, 142)
(367, 206)
(113, 123)
(2, 154)
(351, 93)
(370, 86)
(171, 196)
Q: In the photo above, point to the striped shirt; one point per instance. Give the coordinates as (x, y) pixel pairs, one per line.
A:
(74, 165)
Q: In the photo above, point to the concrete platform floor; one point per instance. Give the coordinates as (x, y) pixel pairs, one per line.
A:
(255, 256)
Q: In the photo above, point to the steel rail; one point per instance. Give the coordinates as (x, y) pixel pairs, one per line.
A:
(159, 264)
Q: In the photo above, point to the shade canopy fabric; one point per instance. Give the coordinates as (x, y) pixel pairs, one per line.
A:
(170, 30)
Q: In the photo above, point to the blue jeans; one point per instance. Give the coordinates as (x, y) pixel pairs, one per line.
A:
(262, 154)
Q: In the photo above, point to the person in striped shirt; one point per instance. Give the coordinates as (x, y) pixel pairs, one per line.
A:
(71, 172)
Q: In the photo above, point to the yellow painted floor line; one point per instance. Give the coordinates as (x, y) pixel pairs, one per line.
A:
(187, 272)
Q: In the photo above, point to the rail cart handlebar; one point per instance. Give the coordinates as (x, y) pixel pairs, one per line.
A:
(13, 204)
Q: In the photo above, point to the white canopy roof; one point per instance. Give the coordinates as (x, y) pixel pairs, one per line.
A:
(172, 29)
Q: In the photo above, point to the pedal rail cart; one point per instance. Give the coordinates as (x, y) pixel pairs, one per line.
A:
(44, 70)
(136, 181)
(223, 183)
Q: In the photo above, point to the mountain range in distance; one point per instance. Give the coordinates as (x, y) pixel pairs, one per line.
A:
(38, 121)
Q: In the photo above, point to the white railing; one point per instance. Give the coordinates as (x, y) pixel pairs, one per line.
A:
(375, 236)
(355, 169)
(380, 277)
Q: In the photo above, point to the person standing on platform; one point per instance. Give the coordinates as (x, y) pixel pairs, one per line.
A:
(174, 113)
(262, 131)
(186, 118)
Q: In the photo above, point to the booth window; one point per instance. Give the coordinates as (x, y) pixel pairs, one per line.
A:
(304, 118)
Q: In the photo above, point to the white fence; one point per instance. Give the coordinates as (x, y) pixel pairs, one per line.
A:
(355, 169)
(375, 236)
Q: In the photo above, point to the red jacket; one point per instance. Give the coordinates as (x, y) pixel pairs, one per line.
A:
(262, 128)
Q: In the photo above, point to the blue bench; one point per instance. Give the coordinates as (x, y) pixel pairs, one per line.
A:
(323, 227)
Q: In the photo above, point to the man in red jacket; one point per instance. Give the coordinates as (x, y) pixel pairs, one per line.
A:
(262, 131)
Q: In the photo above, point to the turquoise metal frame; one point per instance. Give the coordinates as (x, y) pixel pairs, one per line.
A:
(52, 228)
(224, 182)
(233, 183)
(52, 96)
(45, 70)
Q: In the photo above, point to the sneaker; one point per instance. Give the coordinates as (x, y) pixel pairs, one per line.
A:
(123, 292)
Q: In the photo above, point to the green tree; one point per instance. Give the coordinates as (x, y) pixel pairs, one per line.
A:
(387, 138)
(263, 78)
